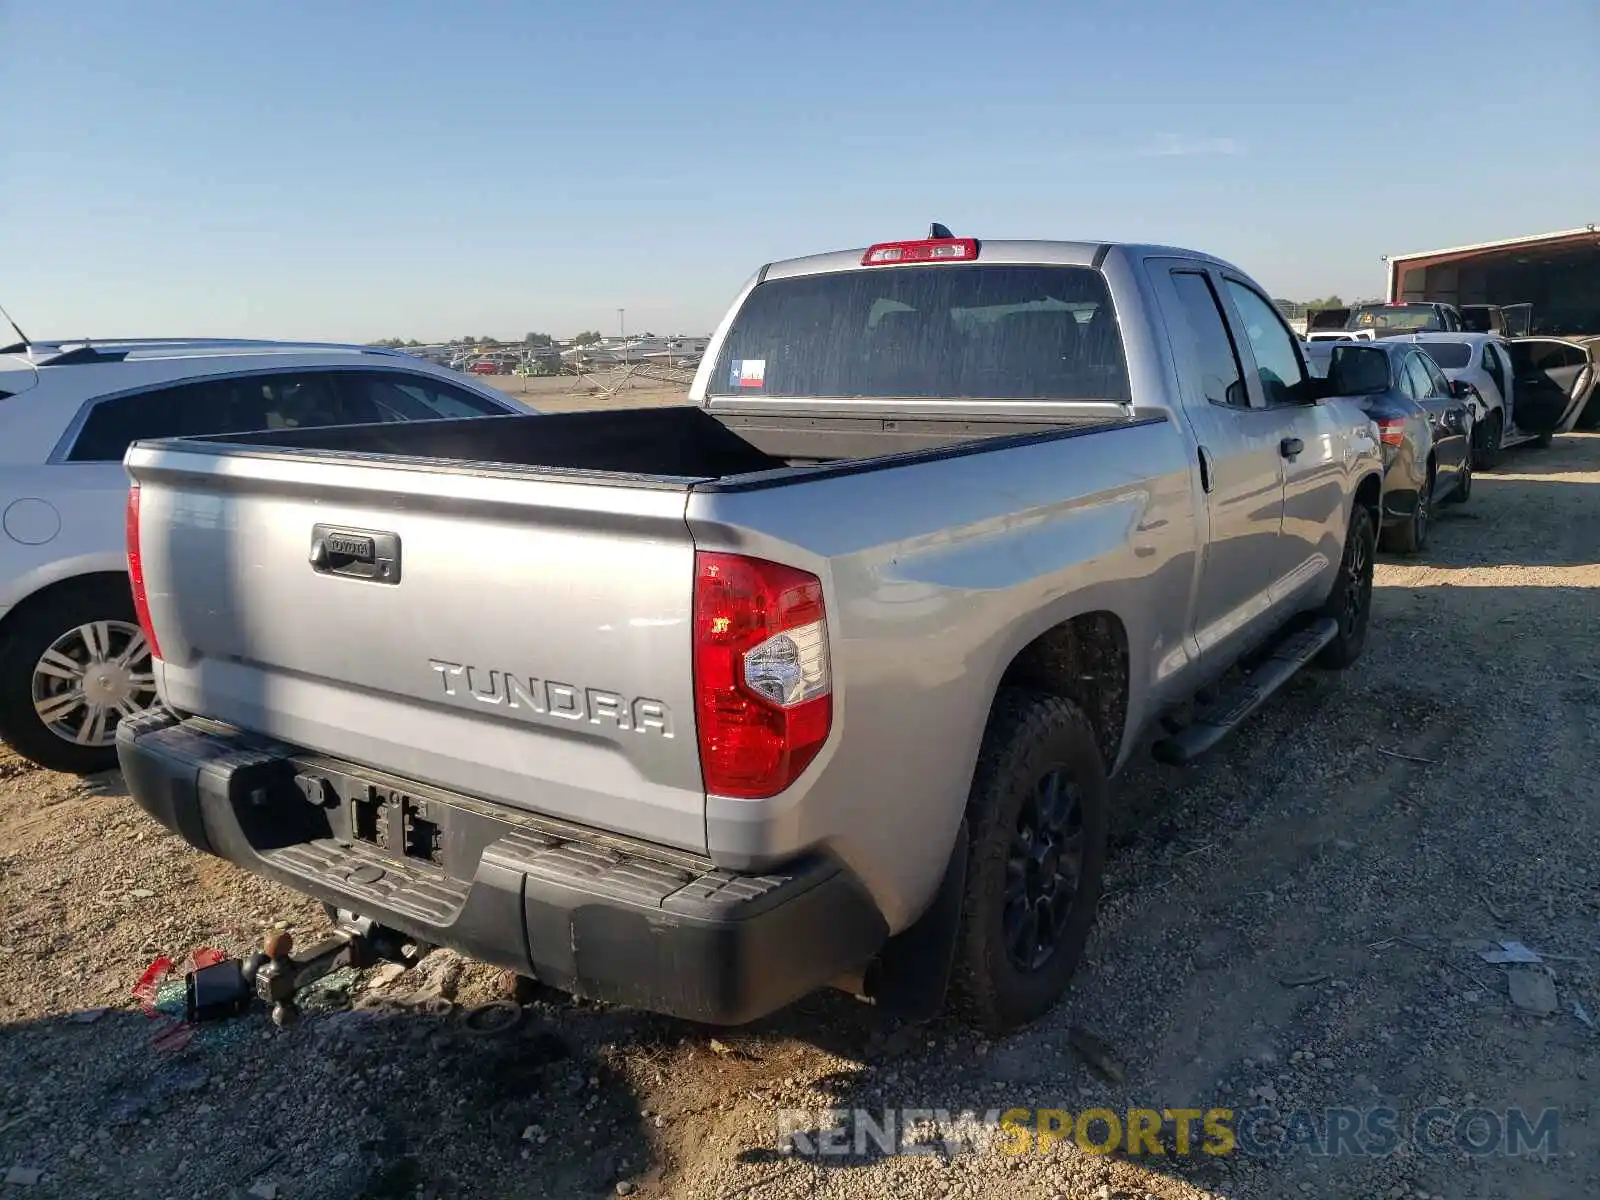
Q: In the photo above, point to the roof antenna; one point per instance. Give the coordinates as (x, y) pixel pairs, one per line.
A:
(25, 343)
(937, 231)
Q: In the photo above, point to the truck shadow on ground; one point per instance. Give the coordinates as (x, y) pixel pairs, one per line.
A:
(1471, 535)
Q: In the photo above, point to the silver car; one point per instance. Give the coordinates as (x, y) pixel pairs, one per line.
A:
(72, 659)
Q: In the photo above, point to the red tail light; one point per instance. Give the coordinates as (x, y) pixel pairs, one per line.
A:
(763, 686)
(141, 602)
(925, 250)
(1391, 430)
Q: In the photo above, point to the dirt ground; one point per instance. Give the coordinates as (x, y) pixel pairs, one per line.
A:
(1295, 924)
(612, 388)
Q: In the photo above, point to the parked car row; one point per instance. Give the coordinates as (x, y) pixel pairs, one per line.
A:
(1449, 403)
(643, 703)
(1530, 388)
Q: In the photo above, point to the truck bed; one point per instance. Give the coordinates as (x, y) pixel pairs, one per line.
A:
(668, 445)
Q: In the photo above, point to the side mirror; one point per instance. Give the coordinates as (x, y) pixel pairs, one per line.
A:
(1461, 389)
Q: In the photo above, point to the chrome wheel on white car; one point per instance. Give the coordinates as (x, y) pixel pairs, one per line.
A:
(90, 678)
(73, 664)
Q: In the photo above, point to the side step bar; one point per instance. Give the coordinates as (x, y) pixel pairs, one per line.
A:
(1231, 708)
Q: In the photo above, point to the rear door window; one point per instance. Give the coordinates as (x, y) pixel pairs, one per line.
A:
(1440, 386)
(301, 400)
(399, 396)
(110, 426)
(1418, 384)
(1211, 348)
(948, 331)
(1495, 366)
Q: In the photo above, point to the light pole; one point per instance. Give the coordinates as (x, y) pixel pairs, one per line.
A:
(622, 330)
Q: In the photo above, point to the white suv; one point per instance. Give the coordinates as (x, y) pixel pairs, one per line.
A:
(72, 659)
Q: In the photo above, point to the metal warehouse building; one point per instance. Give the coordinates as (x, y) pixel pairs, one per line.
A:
(1558, 273)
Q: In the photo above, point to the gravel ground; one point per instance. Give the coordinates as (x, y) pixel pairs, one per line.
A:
(1294, 924)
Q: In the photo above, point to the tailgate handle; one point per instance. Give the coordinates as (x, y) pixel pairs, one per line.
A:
(367, 554)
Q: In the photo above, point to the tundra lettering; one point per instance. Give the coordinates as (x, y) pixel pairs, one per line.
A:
(551, 698)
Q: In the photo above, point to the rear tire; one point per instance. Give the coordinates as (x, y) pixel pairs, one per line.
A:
(1037, 814)
(1486, 441)
(1411, 536)
(1350, 601)
(73, 658)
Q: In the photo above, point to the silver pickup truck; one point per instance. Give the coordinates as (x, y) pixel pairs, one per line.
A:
(817, 679)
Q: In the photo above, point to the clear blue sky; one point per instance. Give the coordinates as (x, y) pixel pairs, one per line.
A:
(359, 170)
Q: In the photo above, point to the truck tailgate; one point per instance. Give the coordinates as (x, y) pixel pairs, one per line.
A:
(518, 638)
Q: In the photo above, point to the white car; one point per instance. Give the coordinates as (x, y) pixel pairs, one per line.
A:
(72, 659)
(1530, 388)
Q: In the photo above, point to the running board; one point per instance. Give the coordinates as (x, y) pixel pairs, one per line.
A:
(1232, 706)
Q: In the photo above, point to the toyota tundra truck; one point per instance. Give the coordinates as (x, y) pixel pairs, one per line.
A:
(816, 679)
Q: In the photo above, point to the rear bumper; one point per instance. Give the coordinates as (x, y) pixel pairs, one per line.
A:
(580, 910)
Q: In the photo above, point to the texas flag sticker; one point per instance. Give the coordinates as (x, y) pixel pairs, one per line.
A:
(747, 372)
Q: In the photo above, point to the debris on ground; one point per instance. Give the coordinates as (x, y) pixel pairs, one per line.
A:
(727, 1051)
(1582, 1014)
(1533, 991)
(385, 974)
(1297, 981)
(24, 1176)
(1094, 1051)
(497, 1016)
(1510, 952)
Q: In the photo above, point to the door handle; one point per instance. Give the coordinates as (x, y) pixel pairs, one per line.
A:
(1289, 447)
(1207, 480)
(355, 553)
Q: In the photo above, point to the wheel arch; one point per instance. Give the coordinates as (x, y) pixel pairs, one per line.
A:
(1369, 495)
(47, 592)
(1083, 659)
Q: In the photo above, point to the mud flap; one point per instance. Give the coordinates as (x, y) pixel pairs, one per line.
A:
(912, 971)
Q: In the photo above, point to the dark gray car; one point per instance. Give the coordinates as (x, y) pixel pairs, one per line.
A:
(1424, 422)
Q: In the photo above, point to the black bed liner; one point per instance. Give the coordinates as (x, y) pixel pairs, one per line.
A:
(682, 442)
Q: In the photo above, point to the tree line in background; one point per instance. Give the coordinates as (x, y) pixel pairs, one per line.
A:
(1304, 306)
(587, 338)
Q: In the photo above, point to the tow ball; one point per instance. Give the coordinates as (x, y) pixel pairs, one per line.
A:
(279, 974)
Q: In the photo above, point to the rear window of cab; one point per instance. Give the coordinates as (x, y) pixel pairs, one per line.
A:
(943, 331)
